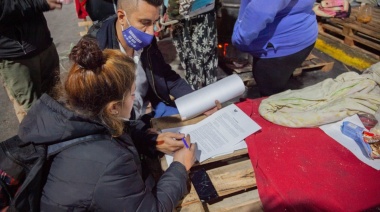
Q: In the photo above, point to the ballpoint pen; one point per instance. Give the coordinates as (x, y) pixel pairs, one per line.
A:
(184, 142)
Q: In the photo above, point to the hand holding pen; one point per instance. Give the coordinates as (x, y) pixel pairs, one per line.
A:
(170, 142)
(186, 156)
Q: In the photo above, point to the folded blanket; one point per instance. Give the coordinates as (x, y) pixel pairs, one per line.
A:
(328, 101)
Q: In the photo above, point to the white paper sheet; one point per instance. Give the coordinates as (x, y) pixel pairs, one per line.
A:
(334, 131)
(220, 133)
(238, 146)
(199, 101)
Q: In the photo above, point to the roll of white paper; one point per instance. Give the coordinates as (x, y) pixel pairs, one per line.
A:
(199, 101)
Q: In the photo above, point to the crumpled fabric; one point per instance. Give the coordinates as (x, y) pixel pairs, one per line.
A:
(328, 101)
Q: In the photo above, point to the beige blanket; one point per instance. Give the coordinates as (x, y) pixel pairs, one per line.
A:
(328, 101)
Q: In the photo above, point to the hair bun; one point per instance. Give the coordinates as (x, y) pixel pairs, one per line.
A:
(87, 53)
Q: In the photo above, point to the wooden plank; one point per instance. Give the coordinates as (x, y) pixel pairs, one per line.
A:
(191, 198)
(195, 207)
(351, 33)
(366, 42)
(235, 154)
(227, 180)
(313, 62)
(245, 202)
(233, 178)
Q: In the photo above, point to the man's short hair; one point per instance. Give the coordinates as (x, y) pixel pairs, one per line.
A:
(128, 4)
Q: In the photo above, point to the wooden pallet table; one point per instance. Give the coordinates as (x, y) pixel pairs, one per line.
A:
(365, 37)
(232, 176)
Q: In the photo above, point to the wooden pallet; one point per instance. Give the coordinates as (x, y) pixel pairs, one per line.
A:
(312, 62)
(245, 74)
(366, 37)
(232, 176)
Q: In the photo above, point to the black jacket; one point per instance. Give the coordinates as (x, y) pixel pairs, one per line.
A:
(99, 175)
(163, 81)
(23, 28)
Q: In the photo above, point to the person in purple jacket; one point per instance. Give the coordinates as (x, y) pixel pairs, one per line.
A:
(279, 35)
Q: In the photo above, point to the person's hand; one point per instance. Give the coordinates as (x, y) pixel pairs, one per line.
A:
(54, 4)
(213, 110)
(169, 142)
(186, 156)
(164, 110)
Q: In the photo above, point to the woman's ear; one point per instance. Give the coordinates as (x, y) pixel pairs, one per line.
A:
(113, 108)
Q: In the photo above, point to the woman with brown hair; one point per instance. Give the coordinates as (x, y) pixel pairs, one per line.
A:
(104, 173)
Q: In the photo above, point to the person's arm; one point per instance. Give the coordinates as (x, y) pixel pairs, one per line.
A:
(122, 187)
(253, 17)
(150, 142)
(144, 141)
(13, 11)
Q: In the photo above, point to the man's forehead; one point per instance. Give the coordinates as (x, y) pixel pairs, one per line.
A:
(146, 11)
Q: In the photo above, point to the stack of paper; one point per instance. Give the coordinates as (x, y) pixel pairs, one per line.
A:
(221, 133)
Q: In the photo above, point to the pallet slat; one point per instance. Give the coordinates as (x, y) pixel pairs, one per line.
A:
(227, 180)
(232, 178)
(313, 62)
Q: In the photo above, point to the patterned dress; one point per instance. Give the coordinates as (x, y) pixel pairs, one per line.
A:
(195, 40)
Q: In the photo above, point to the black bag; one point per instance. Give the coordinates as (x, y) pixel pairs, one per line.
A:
(23, 169)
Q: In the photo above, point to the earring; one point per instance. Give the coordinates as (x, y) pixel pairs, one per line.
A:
(115, 112)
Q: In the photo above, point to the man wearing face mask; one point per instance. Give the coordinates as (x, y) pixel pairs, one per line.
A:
(131, 30)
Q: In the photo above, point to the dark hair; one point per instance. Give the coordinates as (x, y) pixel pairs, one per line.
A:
(156, 3)
(97, 79)
(127, 3)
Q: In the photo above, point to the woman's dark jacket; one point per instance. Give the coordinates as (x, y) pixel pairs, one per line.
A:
(98, 175)
(163, 81)
(23, 28)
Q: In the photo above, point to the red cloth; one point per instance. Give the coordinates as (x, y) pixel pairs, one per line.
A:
(303, 169)
(80, 8)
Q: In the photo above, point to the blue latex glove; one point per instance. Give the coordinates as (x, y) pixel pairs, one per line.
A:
(163, 110)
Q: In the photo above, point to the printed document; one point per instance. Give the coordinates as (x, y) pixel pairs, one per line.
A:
(218, 134)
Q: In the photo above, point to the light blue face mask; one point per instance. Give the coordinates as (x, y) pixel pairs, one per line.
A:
(135, 38)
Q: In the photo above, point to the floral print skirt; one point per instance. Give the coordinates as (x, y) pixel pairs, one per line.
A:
(195, 40)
